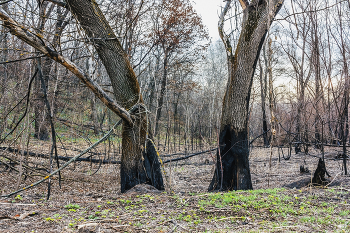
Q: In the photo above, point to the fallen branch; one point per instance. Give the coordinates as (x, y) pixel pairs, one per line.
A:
(132, 110)
(188, 156)
(5, 203)
(104, 161)
(66, 164)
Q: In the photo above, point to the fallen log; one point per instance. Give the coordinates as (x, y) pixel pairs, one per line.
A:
(188, 156)
(102, 161)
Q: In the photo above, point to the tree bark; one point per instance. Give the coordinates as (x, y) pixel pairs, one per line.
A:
(135, 154)
(234, 172)
(139, 158)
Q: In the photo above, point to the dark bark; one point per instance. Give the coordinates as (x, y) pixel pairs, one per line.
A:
(234, 172)
(142, 169)
(234, 152)
(320, 173)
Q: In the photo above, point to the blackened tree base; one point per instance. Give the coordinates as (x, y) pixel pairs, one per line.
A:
(319, 177)
(234, 153)
(147, 171)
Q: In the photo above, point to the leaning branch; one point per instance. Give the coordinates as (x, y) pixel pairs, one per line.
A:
(4, 2)
(36, 42)
(45, 156)
(67, 163)
(189, 156)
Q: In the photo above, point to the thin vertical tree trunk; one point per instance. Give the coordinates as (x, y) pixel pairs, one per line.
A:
(162, 92)
(263, 87)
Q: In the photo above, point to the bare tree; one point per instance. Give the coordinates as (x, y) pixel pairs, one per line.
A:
(139, 158)
(232, 170)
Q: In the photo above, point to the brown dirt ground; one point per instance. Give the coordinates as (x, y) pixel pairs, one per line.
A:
(102, 208)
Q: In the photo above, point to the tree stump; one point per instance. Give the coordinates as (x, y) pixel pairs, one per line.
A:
(304, 169)
(320, 173)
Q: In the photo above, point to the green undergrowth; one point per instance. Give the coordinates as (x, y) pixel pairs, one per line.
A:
(264, 210)
(279, 208)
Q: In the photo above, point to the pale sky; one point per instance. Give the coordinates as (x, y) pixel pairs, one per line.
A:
(209, 10)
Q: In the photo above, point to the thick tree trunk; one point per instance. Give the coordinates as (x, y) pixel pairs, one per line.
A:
(232, 169)
(140, 164)
(139, 160)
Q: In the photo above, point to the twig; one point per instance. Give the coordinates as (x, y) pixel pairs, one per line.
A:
(333, 179)
(4, 2)
(221, 219)
(7, 62)
(4, 203)
(176, 224)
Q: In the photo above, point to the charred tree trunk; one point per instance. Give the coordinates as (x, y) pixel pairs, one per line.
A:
(139, 158)
(232, 169)
(320, 173)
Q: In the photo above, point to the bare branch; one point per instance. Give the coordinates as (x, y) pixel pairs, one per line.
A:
(4, 2)
(36, 42)
(222, 33)
(244, 3)
(312, 11)
(12, 61)
(59, 3)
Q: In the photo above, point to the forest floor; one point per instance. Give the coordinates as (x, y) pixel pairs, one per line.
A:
(282, 200)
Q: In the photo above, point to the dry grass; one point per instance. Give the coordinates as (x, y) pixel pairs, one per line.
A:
(282, 201)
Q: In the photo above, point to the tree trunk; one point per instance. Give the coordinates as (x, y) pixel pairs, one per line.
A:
(162, 92)
(41, 123)
(263, 87)
(94, 117)
(234, 172)
(139, 158)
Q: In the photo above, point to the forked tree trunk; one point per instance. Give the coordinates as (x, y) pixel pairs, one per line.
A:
(234, 172)
(139, 158)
